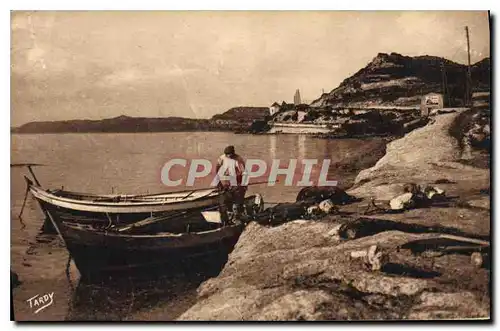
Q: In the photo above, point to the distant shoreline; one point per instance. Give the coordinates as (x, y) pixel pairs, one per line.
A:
(109, 132)
(318, 136)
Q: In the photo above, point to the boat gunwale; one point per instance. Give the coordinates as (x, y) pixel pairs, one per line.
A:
(45, 195)
(125, 196)
(161, 235)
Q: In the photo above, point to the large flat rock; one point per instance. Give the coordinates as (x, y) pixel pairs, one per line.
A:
(423, 156)
(303, 270)
(300, 271)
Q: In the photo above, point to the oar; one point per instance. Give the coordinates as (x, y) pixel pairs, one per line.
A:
(148, 221)
(189, 194)
(264, 182)
(202, 189)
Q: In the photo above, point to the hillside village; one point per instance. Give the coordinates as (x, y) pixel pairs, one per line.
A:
(391, 95)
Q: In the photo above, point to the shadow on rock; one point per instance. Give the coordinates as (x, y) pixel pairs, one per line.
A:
(119, 297)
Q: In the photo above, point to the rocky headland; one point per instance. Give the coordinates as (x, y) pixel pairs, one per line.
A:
(237, 118)
(384, 97)
(394, 80)
(365, 261)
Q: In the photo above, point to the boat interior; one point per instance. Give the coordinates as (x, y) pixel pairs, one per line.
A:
(195, 220)
(166, 223)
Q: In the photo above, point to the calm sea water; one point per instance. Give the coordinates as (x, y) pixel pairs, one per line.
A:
(125, 163)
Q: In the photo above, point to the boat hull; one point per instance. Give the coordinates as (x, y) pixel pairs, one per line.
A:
(156, 204)
(99, 255)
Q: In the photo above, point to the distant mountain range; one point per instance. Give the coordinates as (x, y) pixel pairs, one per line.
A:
(394, 80)
(238, 118)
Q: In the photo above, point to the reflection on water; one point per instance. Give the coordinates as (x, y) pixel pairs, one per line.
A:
(302, 146)
(127, 163)
(272, 146)
(161, 294)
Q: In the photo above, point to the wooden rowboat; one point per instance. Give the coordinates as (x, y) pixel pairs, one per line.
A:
(145, 246)
(114, 204)
(98, 254)
(109, 210)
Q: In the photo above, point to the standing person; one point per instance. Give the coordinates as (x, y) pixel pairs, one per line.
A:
(233, 191)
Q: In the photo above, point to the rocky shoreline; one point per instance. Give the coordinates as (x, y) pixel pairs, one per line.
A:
(353, 265)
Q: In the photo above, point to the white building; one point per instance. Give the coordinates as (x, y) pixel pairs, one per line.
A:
(275, 107)
(300, 116)
(429, 102)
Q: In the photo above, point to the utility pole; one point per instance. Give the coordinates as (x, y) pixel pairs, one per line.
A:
(468, 87)
(443, 80)
(444, 86)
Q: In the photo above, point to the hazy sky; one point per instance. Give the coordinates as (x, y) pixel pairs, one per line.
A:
(68, 65)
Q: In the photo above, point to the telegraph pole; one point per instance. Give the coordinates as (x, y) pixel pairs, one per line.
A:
(468, 87)
(444, 85)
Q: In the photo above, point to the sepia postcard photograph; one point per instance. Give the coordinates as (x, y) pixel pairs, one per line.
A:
(196, 165)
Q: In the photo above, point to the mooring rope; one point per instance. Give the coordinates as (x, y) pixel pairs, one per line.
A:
(67, 271)
(23, 226)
